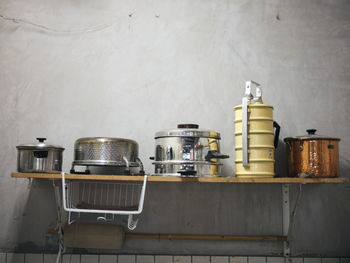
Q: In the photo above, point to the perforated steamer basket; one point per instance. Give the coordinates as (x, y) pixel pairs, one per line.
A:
(104, 155)
(105, 151)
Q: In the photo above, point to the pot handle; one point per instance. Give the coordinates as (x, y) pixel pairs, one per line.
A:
(277, 133)
(138, 160)
(216, 155)
(247, 99)
(127, 168)
(41, 139)
(258, 91)
(41, 154)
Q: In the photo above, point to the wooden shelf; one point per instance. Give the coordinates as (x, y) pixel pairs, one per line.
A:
(286, 180)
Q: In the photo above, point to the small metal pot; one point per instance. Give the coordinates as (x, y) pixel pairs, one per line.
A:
(39, 157)
(104, 155)
(188, 151)
(312, 155)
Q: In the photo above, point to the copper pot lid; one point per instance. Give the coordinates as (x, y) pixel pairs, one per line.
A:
(311, 135)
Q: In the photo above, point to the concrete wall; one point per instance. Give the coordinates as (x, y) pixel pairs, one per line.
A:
(160, 63)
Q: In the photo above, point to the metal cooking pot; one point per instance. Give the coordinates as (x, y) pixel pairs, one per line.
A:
(100, 152)
(39, 157)
(187, 151)
(312, 155)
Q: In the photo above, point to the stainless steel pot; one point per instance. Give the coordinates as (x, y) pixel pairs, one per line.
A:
(97, 153)
(39, 157)
(187, 151)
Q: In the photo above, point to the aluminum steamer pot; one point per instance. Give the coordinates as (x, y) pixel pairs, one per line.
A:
(101, 152)
(39, 157)
(187, 151)
(312, 155)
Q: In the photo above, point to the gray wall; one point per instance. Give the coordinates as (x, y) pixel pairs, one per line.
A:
(160, 63)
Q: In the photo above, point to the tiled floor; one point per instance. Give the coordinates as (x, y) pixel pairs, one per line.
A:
(68, 258)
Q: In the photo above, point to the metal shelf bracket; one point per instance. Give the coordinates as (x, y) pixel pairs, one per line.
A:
(288, 217)
(285, 218)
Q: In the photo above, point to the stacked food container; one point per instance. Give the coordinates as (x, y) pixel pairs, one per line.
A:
(255, 139)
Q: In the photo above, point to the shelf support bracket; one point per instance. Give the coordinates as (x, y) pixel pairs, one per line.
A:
(289, 217)
(285, 218)
(60, 220)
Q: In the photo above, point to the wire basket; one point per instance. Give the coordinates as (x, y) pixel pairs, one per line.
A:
(101, 197)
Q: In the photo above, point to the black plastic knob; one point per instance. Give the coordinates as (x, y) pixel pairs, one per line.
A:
(41, 139)
(188, 126)
(311, 131)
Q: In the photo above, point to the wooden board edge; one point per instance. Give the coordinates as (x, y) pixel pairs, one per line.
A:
(182, 180)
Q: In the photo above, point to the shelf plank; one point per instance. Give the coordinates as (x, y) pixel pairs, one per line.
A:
(206, 237)
(278, 180)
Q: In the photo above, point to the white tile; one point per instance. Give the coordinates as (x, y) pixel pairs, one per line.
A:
(295, 260)
(50, 258)
(275, 259)
(2, 257)
(217, 259)
(344, 260)
(331, 260)
(257, 259)
(126, 259)
(238, 259)
(312, 260)
(181, 259)
(15, 258)
(70, 258)
(163, 259)
(89, 259)
(108, 259)
(200, 259)
(34, 258)
(145, 259)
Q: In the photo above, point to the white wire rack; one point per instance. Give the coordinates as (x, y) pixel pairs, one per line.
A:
(101, 197)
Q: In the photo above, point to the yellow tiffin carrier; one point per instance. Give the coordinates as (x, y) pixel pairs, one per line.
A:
(255, 139)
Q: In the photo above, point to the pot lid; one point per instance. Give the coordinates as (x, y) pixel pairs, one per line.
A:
(40, 145)
(311, 136)
(188, 130)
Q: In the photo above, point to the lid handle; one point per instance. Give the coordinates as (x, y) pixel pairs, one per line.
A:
(41, 139)
(311, 131)
(258, 92)
(188, 126)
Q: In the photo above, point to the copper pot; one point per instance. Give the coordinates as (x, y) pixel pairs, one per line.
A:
(312, 155)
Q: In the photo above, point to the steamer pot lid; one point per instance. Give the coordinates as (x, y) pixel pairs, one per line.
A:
(188, 130)
(103, 139)
(310, 136)
(40, 145)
